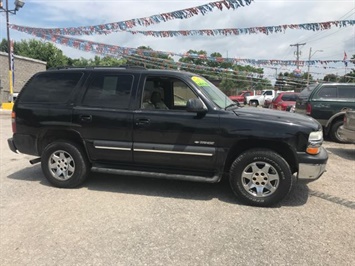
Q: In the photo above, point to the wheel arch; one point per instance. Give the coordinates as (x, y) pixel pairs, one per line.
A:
(281, 148)
(336, 117)
(52, 135)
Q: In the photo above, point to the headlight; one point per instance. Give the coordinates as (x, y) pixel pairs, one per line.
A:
(316, 136)
(315, 140)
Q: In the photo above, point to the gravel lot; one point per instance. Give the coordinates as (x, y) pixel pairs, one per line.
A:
(116, 220)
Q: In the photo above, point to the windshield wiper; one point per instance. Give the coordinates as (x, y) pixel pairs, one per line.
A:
(231, 105)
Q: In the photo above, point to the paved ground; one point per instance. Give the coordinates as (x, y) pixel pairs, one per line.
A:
(114, 220)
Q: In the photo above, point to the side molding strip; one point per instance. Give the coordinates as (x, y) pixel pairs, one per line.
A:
(112, 148)
(175, 152)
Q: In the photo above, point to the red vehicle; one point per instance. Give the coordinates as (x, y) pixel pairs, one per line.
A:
(241, 96)
(284, 101)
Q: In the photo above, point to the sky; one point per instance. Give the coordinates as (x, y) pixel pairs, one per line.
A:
(326, 45)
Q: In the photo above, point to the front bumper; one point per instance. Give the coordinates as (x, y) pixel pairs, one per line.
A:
(311, 167)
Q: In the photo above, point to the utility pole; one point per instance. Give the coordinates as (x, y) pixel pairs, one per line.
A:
(298, 53)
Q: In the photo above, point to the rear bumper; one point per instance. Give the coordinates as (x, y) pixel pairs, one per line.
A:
(311, 167)
(25, 144)
(12, 145)
(348, 135)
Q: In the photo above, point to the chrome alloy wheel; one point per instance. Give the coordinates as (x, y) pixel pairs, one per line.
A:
(61, 165)
(260, 179)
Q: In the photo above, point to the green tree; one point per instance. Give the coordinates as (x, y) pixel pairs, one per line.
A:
(330, 78)
(147, 57)
(40, 50)
(98, 61)
(43, 51)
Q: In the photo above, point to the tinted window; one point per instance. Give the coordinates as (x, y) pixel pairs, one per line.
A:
(327, 92)
(289, 97)
(346, 92)
(50, 87)
(111, 91)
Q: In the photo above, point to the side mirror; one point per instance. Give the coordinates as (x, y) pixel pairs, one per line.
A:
(195, 105)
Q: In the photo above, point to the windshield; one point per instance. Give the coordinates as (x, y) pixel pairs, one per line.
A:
(307, 91)
(212, 92)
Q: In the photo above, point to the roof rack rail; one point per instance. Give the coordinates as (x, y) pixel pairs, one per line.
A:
(97, 67)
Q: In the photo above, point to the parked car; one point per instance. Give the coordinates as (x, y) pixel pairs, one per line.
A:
(327, 103)
(241, 97)
(284, 101)
(105, 120)
(347, 130)
(256, 100)
(267, 103)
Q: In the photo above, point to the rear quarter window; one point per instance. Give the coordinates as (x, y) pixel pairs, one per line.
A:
(50, 87)
(346, 92)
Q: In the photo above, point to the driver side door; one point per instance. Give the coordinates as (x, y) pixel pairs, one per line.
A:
(173, 138)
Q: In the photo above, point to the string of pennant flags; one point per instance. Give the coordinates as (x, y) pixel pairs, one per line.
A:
(56, 35)
(251, 30)
(101, 48)
(145, 21)
(318, 26)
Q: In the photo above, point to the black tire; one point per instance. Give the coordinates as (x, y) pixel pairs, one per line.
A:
(263, 170)
(334, 132)
(64, 164)
(254, 103)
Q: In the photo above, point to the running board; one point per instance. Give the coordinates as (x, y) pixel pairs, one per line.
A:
(204, 179)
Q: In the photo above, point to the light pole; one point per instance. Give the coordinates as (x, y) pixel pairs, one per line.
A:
(18, 4)
(309, 63)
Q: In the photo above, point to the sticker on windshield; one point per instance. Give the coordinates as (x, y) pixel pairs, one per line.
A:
(200, 82)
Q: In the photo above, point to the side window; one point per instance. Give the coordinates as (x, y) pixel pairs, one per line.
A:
(165, 93)
(110, 91)
(50, 87)
(289, 97)
(346, 92)
(327, 92)
(154, 94)
(182, 93)
(268, 93)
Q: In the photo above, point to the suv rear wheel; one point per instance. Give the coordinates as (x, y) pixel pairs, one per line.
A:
(64, 164)
(261, 177)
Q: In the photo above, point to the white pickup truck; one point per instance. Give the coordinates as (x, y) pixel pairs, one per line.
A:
(260, 99)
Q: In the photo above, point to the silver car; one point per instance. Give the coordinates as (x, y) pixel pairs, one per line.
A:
(347, 130)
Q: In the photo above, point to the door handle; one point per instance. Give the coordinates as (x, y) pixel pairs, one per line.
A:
(85, 118)
(142, 122)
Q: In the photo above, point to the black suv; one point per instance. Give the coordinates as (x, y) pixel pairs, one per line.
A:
(164, 124)
(327, 103)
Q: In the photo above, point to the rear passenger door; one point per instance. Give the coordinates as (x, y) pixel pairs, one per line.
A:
(104, 118)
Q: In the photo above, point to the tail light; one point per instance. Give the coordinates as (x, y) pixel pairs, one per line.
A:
(308, 108)
(13, 122)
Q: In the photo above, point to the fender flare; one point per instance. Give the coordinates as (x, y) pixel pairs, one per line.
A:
(334, 117)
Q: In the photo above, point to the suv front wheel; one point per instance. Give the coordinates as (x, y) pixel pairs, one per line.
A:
(334, 132)
(261, 177)
(64, 164)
